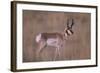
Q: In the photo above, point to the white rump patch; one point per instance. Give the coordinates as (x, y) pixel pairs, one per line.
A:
(38, 38)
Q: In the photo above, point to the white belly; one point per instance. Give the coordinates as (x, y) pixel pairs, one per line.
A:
(52, 42)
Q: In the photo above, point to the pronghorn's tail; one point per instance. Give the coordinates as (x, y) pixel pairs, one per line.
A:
(38, 38)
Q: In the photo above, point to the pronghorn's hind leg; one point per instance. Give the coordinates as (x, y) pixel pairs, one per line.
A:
(41, 46)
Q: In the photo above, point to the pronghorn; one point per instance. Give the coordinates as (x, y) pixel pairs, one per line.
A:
(54, 39)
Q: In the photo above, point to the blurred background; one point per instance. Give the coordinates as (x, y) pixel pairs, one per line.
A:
(76, 47)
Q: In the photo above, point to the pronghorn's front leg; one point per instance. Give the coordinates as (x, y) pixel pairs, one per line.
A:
(59, 45)
(58, 51)
(55, 54)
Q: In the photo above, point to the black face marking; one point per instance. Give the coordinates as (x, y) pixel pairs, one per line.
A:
(69, 32)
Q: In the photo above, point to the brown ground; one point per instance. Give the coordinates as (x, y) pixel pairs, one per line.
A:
(76, 47)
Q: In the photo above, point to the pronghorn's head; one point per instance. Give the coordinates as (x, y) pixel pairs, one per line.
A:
(68, 30)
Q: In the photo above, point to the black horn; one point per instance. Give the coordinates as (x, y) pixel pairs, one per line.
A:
(70, 23)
